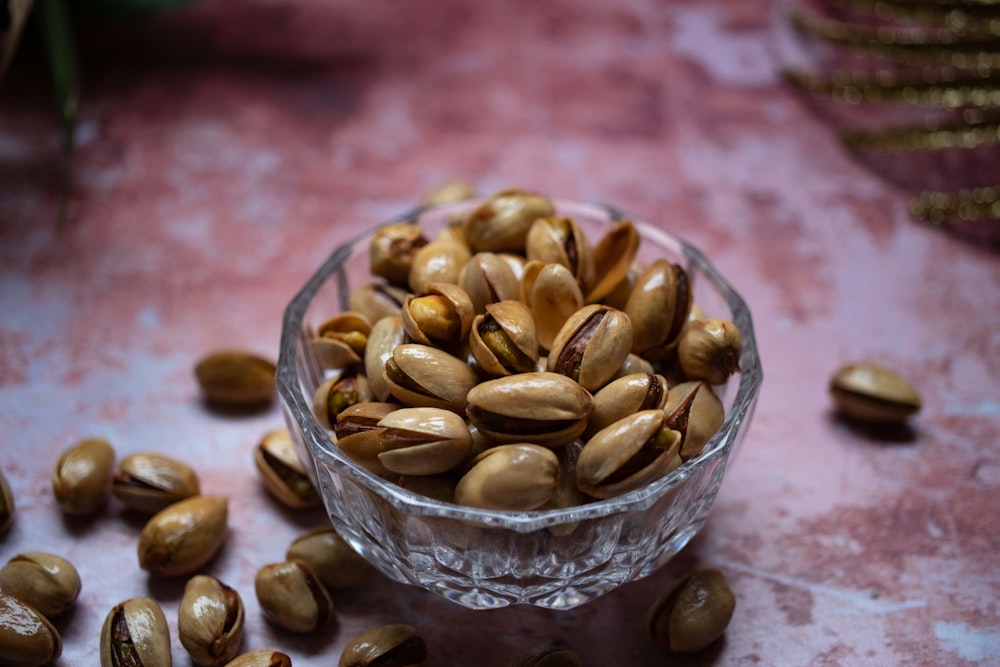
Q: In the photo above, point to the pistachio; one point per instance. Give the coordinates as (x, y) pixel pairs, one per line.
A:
(375, 301)
(503, 340)
(553, 295)
(148, 483)
(210, 621)
(341, 340)
(502, 221)
(872, 393)
(613, 257)
(234, 378)
(658, 307)
(693, 614)
(339, 393)
(292, 597)
(627, 455)
(183, 537)
(282, 471)
(696, 413)
(388, 646)
(710, 350)
(135, 634)
(81, 480)
(27, 638)
(556, 240)
(47, 582)
(392, 249)
(334, 562)
(626, 396)
(441, 316)
(619, 295)
(424, 376)
(549, 654)
(261, 659)
(543, 408)
(437, 262)
(487, 278)
(423, 441)
(592, 345)
(6, 505)
(519, 476)
(386, 335)
(357, 433)
(448, 192)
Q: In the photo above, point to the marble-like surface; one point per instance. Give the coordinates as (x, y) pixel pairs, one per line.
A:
(224, 149)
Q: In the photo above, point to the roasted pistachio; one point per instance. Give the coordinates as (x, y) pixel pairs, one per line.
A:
(261, 659)
(292, 597)
(658, 308)
(390, 645)
(423, 376)
(357, 433)
(693, 409)
(423, 441)
(518, 476)
(341, 340)
(869, 392)
(560, 240)
(441, 316)
(448, 192)
(334, 562)
(502, 221)
(437, 262)
(613, 257)
(149, 482)
(81, 480)
(628, 454)
(282, 472)
(543, 408)
(487, 278)
(392, 249)
(339, 393)
(6, 505)
(210, 621)
(47, 582)
(693, 614)
(626, 396)
(591, 346)
(386, 335)
(135, 633)
(375, 301)
(234, 378)
(549, 654)
(183, 537)
(553, 295)
(710, 350)
(27, 639)
(503, 340)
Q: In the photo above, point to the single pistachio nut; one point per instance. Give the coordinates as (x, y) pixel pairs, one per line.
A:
(357, 433)
(613, 257)
(501, 222)
(549, 654)
(292, 597)
(376, 301)
(341, 340)
(390, 645)
(625, 396)
(135, 632)
(210, 621)
(561, 240)
(47, 582)
(519, 476)
(591, 346)
(387, 334)
(542, 408)
(282, 471)
(872, 393)
(392, 249)
(183, 537)
(441, 316)
(335, 563)
(27, 638)
(423, 441)
(503, 340)
(552, 294)
(262, 658)
(628, 454)
(81, 480)
(339, 393)
(234, 378)
(710, 350)
(693, 409)
(421, 376)
(449, 192)
(6, 505)
(693, 614)
(487, 278)
(658, 308)
(437, 262)
(148, 482)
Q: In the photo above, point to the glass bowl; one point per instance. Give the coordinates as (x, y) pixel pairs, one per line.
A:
(557, 558)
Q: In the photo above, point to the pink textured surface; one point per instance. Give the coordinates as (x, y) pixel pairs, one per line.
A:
(226, 148)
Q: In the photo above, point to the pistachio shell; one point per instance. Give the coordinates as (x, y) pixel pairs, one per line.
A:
(6, 505)
(292, 598)
(183, 537)
(613, 257)
(696, 412)
(519, 476)
(550, 654)
(437, 262)
(560, 240)
(345, 389)
(390, 645)
(872, 393)
(592, 345)
(261, 659)
(487, 278)
(503, 340)
(441, 316)
(658, 307)
(148, 482)
(392, 249)
(357, 433)
(81, 480)
(376, 301)
(27, 639)
(553, 295)
(335, 563)
(693, 614)
(282, 471)
(423, 441)
(710, 350)
(235, 378)
(47, 582)
(210, 621)
(423, 376)
(136, 629)
(626, 396)
(386, 335)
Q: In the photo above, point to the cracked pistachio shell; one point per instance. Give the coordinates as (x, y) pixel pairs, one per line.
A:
(335, 563)
(47, 582)
(182, 538)
(550, 654)
(339, 393)
(210, 621)
(518, 476)
(341, 340)
(449, 192)
(357, 433)
(261, 659)
(710, 350)
(387, 334)
(421, 376)
(693, 409)
(282, 472)
(149, 482)
(437, 262)
(27, 638)
(626, 396)
(392, 250)
(441, 316)
(292, 597)
(81, 480)
(135, 632)
(693, 614)
(487, 278)
(613, 257)
(553, 295)
(560, 240)
(6, 505)
(503, 340)
(627, 455)
(592, 345)
(501, 222)
(376, 301)
(872, 393)
(543, 408)
(658, 307)
(390, 645)
(235, 378)
(423, 441)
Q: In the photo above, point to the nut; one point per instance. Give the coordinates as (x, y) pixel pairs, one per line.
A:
(47, 582)
(625, 396)
(692, 615)
(292, 597)
(510, 477)
(487, 278)
(437, 262)
(183, 537)
(441, 316)
(552, 294)
(282, 472)
(27, 638)
(421, 376)
(339, 393)
(390, 645)
(709, 350)
(502, 221)
(874, 394)
(503, 339)
(357, 433)
(148, 483)
(423, 441)
(591, 346)
(448, 192)
(696, 413)
(341, 340)
(392, 249)
(549, 654)
(333, 561)
(658, 307)
(556, 240)
(135, 632)
(6, 505)
(613, 257)
(376, 301)
(233, 378)
(210, 621)
(261, 659)
(81, 480)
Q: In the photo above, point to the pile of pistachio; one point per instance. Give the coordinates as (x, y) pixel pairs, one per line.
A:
(511, 363)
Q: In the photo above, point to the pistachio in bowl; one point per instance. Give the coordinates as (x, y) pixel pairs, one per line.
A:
(517, 399)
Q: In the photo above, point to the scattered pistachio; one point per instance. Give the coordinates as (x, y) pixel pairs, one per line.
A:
(292, 597)
(693, 614)
(282, 472)
(27, 638)
(872, 393)
(148, 483)
(47, 582)
(335, 563)
(234, 378)
(81, 480)
(261, 659)
(549, 654)
(390, 645)
(183, 537)
(210, 621)
(135, 633)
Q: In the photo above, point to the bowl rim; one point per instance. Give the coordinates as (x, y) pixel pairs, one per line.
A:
(718, 448)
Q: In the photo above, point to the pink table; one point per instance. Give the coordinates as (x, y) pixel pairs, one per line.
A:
(225, 149)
